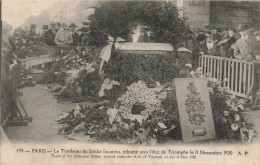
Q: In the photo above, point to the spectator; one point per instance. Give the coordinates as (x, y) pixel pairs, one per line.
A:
(246, 45)
(63, 36)
(57, 26)
(227, 44)
(49, 35)
(33, 29)
(199, 48)
(7, 43)
(216, 37)
(209, 43)
(257, 36)
(45, 28)
(75, 35)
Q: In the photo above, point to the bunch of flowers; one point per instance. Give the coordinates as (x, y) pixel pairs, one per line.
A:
(226, 107)
(139, 94)
(28, 44)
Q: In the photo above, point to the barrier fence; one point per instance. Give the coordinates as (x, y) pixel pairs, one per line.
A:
(236, 74)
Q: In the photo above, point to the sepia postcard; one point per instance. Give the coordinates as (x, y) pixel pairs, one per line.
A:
(130, 82)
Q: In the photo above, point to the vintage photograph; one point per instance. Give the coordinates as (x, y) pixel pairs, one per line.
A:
(135, 73)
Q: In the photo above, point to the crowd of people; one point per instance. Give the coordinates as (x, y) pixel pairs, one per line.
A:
(61, 34)
(241, 43)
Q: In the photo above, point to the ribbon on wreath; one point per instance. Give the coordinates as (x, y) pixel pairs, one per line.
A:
(105, 53)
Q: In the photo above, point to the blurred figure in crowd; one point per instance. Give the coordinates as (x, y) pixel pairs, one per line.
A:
(224, 31)
(199, 48)
(246, 45)
(49, 35)
(257, 36)
(57, 26)
(216, 37)
(33, 29)
(7, 43)
(45, 28)
(227, 44)
(63, 36)
(75, 35)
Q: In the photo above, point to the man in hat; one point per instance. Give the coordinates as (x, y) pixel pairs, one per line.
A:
(57, 26)
(49, 35)
(63, 36)
(199, 48)
(216, 37)
(44, 28)
(257, 36)
(227, 44)
(246, 45)
(33, 29)
(75, 35)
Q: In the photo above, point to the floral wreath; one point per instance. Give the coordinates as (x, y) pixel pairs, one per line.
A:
(138, 94)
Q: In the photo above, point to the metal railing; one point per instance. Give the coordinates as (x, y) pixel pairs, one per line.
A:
(239, 74)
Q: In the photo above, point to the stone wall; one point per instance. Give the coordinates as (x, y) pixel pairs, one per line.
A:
(220, 13)
(231, 14)
(197, 13)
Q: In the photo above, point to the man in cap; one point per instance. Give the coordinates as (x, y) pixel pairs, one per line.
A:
(75, 35)
(49, 35)
(63, 36)
(246, 45)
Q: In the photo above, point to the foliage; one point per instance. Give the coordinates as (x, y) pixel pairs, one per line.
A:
(119, 18)
(28, 44)
(130, 68)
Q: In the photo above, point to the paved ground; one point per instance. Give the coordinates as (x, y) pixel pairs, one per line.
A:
(44, 109)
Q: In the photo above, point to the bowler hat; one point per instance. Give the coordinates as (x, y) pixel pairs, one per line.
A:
(33, 26)
(212, 27)
(52, 23)
(58, 24)
(45, 27)
(242, 27)
(201, 37)
(256, 33)
(72, 25)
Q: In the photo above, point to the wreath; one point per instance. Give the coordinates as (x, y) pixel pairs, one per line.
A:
(140, 98)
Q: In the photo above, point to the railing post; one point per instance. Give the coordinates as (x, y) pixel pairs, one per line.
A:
(240, 74)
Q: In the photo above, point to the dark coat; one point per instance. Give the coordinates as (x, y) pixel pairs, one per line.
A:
(225, 46)
(76, 39)
(49, 37)
(198, 48)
